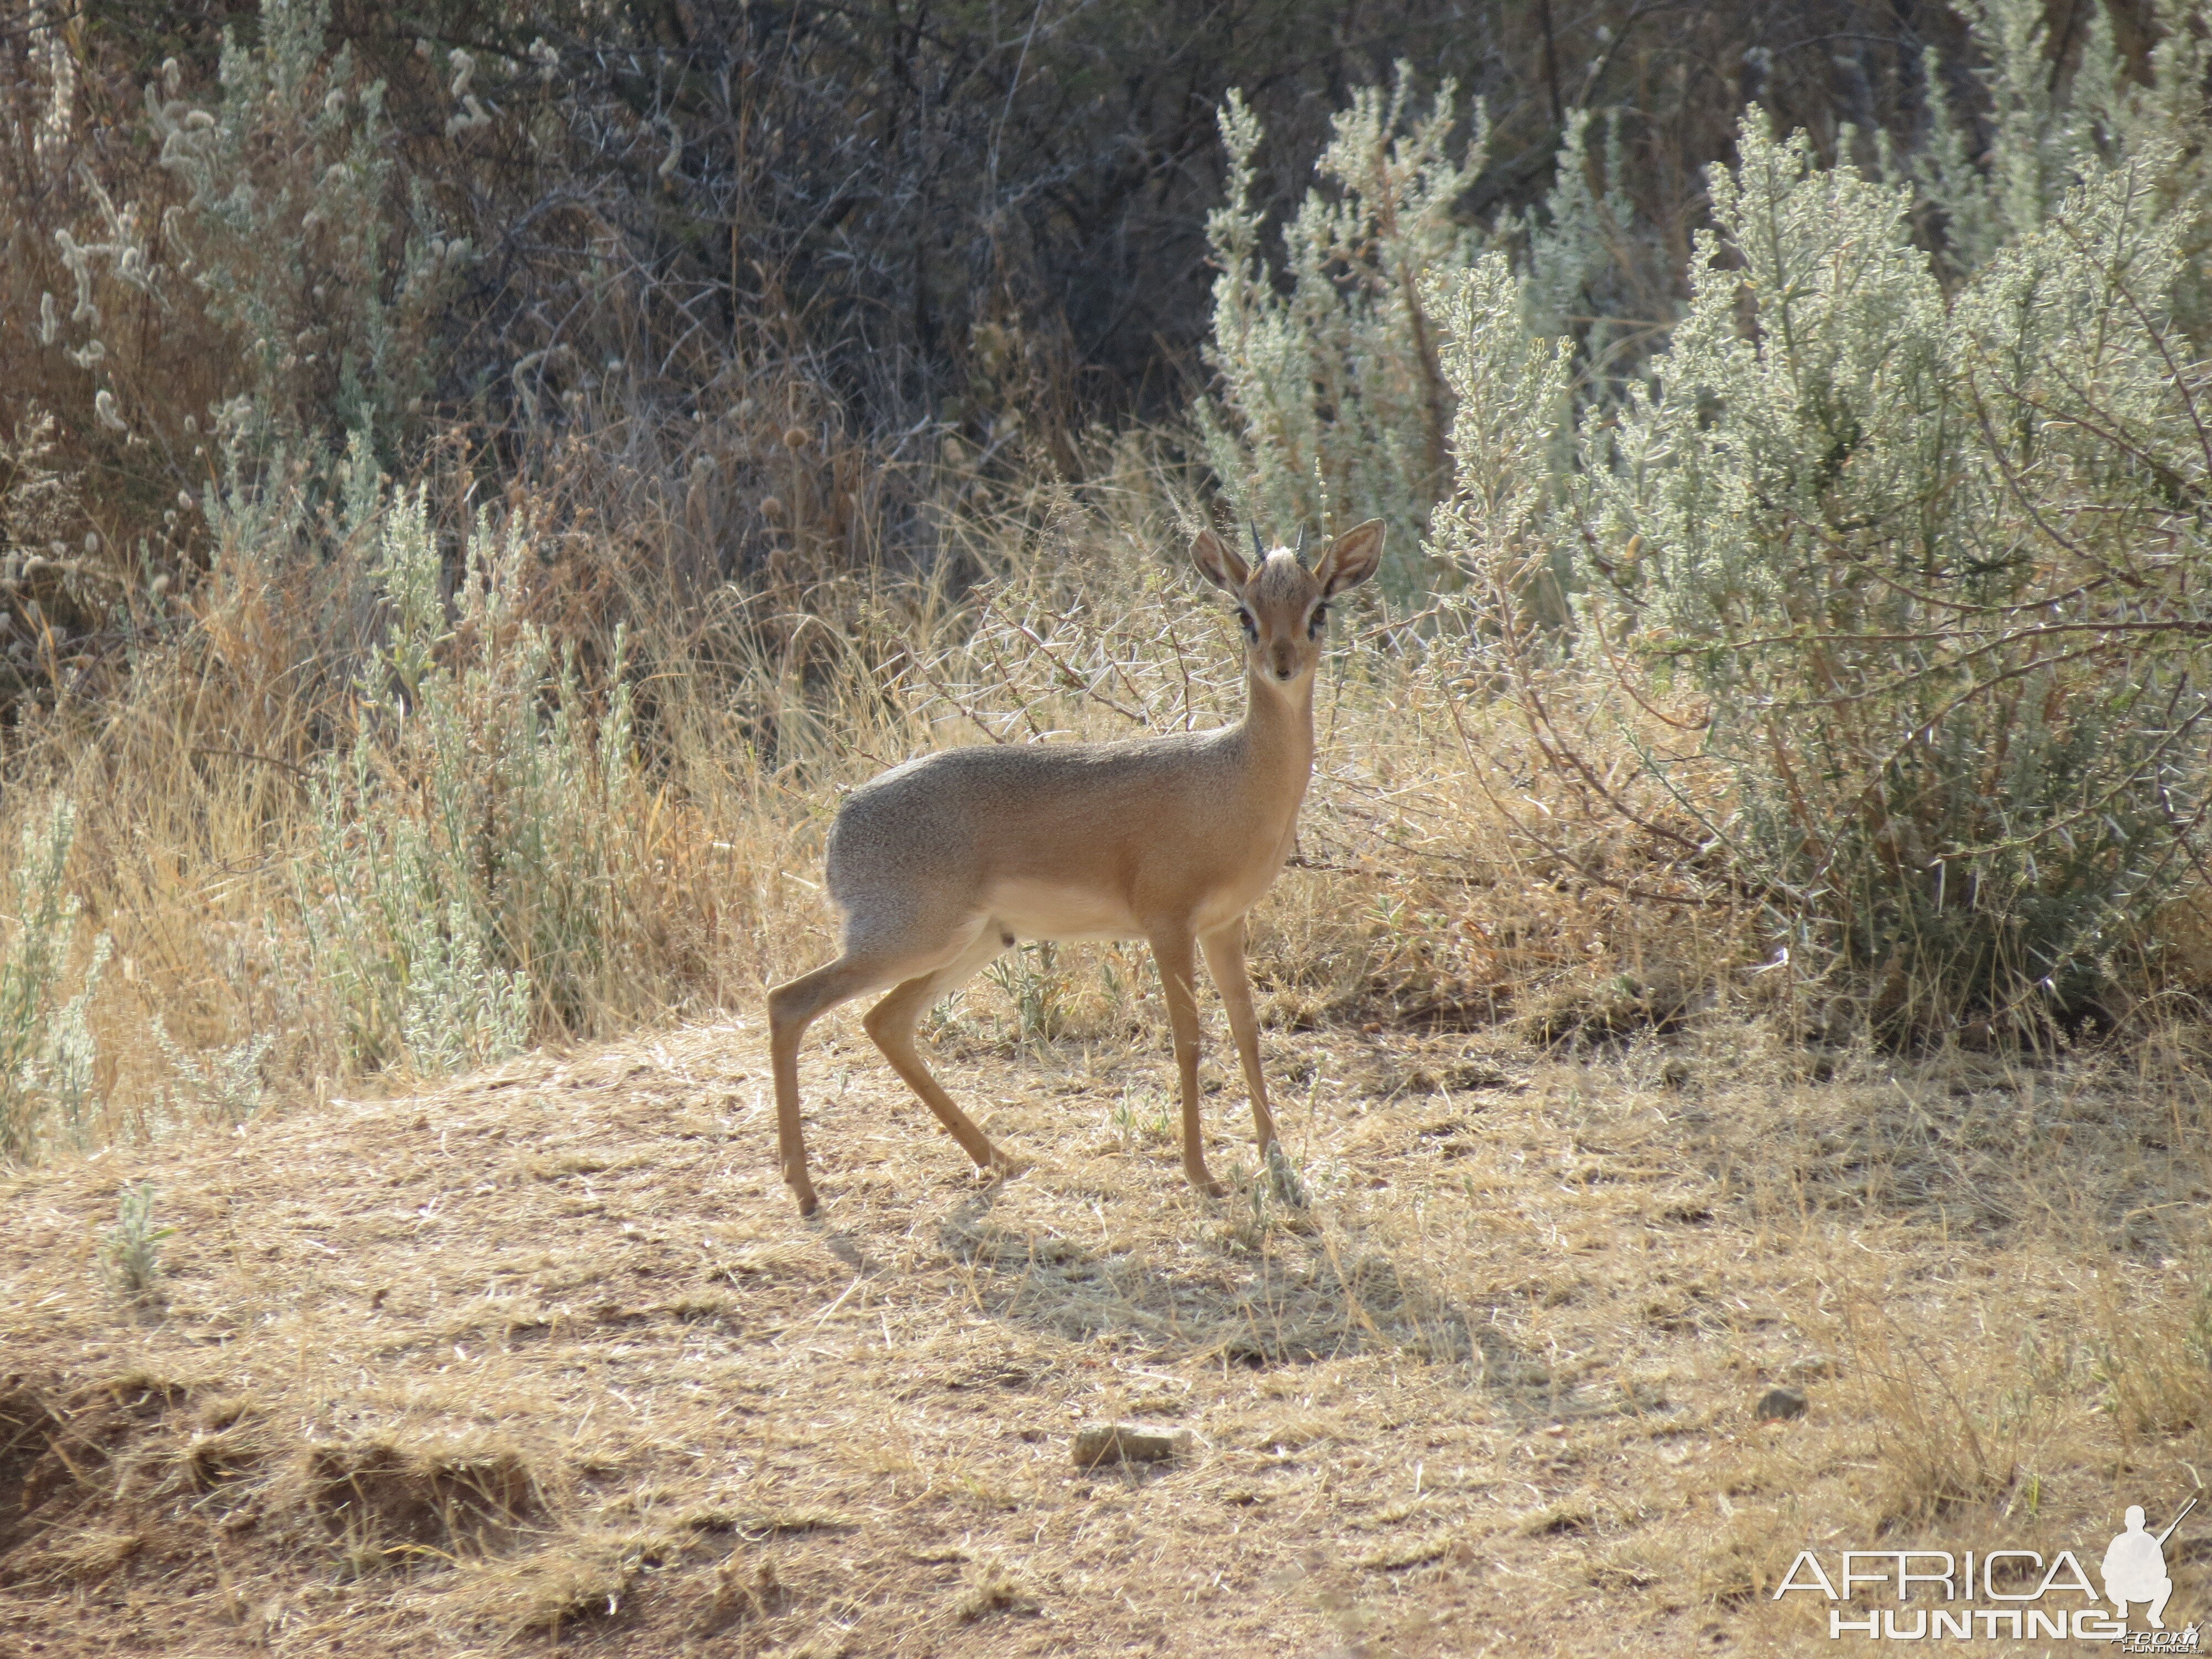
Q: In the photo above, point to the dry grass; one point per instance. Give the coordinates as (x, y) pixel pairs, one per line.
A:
(544, 1357)
(1447, 876)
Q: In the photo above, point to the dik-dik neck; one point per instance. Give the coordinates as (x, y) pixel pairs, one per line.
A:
(1277, 737)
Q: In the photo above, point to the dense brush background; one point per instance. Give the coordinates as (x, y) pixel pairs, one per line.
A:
(476, 490)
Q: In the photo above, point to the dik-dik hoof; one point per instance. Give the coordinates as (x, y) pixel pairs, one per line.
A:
(804, 1192)
(1207, 1186)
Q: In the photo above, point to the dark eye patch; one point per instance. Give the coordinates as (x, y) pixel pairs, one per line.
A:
(1318, 621)
(1251, 628)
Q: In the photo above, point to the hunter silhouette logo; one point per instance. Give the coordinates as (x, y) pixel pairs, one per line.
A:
(2135, 1567)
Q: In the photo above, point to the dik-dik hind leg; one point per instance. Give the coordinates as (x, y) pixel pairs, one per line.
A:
(793, 1008)
(1178, 961)
(1224, 959)
(883, 956)
(891, 1023)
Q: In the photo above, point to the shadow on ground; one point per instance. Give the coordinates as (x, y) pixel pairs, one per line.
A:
(1291, 1288)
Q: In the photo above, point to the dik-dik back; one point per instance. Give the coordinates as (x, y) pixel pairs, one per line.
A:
(1064, 841)
(942, 863)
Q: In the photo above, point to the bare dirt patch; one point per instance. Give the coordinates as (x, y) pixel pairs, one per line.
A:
(545, 1358)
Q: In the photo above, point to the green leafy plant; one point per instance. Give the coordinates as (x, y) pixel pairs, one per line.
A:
(1037, 987)
(130, 1250)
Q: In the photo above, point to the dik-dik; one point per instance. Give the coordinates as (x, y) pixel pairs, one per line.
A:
(942, 863)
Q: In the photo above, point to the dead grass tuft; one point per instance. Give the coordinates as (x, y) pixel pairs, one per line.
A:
(1741, 1562)
(84, 1558)
(1576, 1516)
(471, 1495)
(567, 1581)
(218, 1458)
(28, 1426)
(742, 1591)
(993, 1586)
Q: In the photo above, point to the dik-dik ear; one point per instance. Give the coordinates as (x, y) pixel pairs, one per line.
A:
(1219, 563)
(1350, 560)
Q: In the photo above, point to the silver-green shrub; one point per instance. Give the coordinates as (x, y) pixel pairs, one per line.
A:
(2046, 130)
(1511, 387)
(1330, 399)
(219, 1085)
(475, 843)
(1576, 256)
(290, 233)
(130, 1250)
(47, 1052)
(1933, 564)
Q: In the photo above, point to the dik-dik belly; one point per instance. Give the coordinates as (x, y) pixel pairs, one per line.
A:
(1039, 909)
(1032, 908)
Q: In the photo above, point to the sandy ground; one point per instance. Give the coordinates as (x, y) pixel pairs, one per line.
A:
(545, 1358)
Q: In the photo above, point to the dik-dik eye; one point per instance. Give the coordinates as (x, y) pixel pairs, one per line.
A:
(1318, 621)
(1251, 628)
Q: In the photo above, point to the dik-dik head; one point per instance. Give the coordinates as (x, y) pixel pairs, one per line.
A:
(1283, 605)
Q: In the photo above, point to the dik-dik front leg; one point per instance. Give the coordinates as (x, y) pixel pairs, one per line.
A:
(1174, 950)
(1224, 959)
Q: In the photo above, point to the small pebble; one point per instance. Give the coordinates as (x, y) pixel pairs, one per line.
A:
(1778, 1404)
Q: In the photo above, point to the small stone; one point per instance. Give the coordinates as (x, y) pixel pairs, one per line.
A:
(1779, 1404)
(1124, 1443)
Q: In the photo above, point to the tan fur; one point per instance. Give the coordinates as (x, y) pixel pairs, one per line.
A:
(943, 862)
